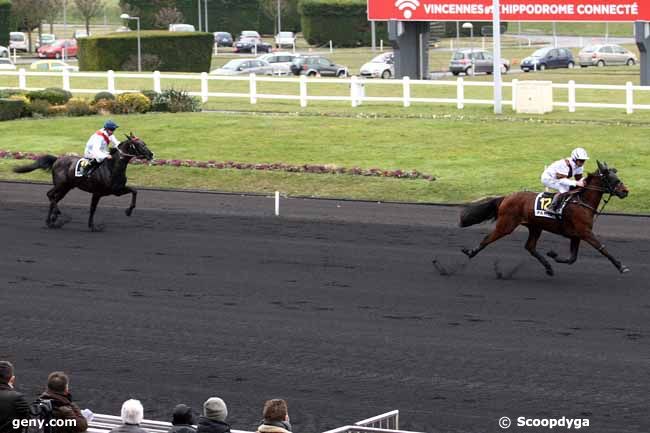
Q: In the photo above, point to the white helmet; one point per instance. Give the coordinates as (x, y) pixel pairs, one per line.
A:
(579, 153)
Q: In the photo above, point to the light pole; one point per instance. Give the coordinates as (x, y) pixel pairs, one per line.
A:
(279, 18)
(470, 26)
(137, 19)
(205, 15)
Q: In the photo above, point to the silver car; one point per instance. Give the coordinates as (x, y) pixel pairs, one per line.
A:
(279, 61)
(605, 55)
(381, 66)
(470, 61)
(244, 67)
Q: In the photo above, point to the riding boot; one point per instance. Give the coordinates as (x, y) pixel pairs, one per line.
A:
(92, 166)
(554, 207)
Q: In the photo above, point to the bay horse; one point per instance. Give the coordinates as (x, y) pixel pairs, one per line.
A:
(517, 208)
(107, 179)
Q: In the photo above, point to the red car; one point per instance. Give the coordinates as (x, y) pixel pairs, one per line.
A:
(55, 50)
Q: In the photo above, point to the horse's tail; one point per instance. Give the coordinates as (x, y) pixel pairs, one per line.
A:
(479, 211)
(45, 162)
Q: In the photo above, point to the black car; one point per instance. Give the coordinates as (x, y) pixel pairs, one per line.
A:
(223, 39)
(317, 65)
(248, 45)
(548, 58)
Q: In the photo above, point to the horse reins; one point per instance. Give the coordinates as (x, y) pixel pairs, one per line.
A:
(605, 200)
(124, 153)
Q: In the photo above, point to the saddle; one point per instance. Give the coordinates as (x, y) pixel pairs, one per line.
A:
(85, 167)
(543, 203)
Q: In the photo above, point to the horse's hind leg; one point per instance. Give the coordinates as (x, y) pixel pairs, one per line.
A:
(55, 195)
(503, 228)
(533, 236)
(575, 245)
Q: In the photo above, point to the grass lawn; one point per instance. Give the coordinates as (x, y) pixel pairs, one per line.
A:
(471, 156)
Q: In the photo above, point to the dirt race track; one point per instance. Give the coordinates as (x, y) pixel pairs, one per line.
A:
(334, 306)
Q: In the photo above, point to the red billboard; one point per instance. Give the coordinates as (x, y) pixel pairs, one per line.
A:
(511, 10)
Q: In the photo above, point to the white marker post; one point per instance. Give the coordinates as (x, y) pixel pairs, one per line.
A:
(277, 203)
(496, 49)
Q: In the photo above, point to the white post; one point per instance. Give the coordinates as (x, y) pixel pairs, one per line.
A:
(483, 42)
(514, 83)
(451, 44)
(252, 88)
(14, 56)
(156, 81)
(216, 49)
(255, 49)
(460, 94)
(277, 203)
(65, 74)
(629, 97)
(331, 47)
(22, 79)
(572, 96)
(381, 45)
(406, 85)
(303, 91)
(496, 49)
(110, 77)
(204, 87)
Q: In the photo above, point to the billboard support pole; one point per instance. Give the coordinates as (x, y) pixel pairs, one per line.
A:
(496, 49)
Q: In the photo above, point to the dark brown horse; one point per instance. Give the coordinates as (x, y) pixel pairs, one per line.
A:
(576, 224)
(108, 179)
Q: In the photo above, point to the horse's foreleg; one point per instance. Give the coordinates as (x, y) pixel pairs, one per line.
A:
(55, 195)
(594, 242)
(134, 196)
(502, 229)
(531, 244)
(575, 245)
(93, 207)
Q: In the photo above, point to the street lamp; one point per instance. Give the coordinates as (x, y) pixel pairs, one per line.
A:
(470, 26)
(137, 19)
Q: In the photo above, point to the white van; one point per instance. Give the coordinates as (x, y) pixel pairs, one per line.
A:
(4, 52)
(181, 28)
(18, 41)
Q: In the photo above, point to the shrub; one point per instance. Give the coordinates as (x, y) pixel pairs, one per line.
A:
(78, 107)
(176, 101)
(5, 22)
(11, 108)
(53, 95)
(149, 62)
(6, 93)
(57, 110)
(174, 51)
(27, 111)
(104, 95)
(149, 94)
(105, 107)
(39, 107)
(133, 103)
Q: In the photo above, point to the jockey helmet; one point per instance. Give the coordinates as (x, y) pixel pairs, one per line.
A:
(110, 125)
(579, 154)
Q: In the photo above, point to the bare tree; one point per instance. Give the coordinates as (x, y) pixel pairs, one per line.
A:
(89, 9)
(54, 8)
(166, 16)
(270, 9)
(29, 14)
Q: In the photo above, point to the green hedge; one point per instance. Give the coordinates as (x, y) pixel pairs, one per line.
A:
(53, 95)
(479, 26)
(5, 14)
(161, 50)
(11, 108)
(344, 22)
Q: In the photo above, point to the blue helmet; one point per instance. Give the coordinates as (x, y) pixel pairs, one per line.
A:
(110, 125)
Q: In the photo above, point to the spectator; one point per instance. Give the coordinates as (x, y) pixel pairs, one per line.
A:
(276, 417)
(12, 403)
(132, 416)
(58, 390)
(182, 420)
(214, 417)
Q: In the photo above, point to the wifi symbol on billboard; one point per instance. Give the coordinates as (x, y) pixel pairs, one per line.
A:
(407, 6)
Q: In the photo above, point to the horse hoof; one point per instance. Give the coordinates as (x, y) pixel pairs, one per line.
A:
(624, 269)
(549, 272)
(552, 254)
(467, 252)
(128, 212)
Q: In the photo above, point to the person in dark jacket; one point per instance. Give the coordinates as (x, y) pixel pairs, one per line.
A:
(58, 391)
(13, 405)
(276, 417)
(214, 417)
(132, 416)
(182, 420)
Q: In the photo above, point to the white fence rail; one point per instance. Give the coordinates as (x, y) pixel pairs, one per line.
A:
(355, 97)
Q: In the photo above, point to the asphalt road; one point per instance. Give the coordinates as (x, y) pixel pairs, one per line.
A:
(334, 306)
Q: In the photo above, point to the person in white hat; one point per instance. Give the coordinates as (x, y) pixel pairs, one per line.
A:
(565, 174)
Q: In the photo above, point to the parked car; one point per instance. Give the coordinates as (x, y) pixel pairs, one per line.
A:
(80, 33)
(18, 41)
(280, 61)
(122, 29)
(55, 50)
(283, 39)
(4, 51)
(244, 67)
(252, 45)
(181, 28)
(317, 65)
(471, 61)
(223, 39)
(605, 55)
(548, 58)
(46, 39)
(250, 34)
(6, 64)
(52, 66)
(381, 66)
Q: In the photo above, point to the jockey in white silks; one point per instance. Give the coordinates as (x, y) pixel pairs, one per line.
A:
(565, 174)
(97, 147)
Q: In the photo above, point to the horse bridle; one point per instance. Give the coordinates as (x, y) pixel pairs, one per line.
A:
(609, 190)
(124, 153)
